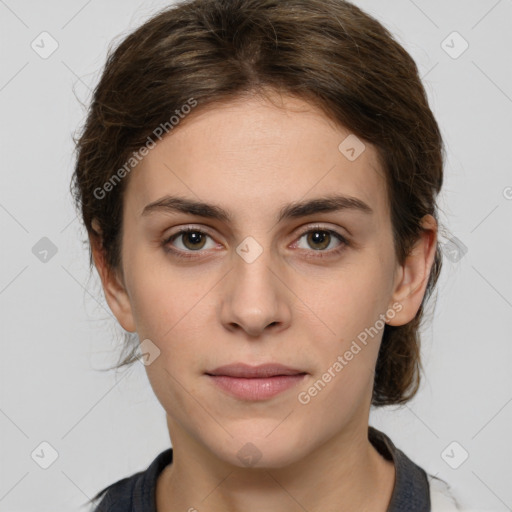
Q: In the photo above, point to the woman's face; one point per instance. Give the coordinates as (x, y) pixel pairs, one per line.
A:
(270, 284)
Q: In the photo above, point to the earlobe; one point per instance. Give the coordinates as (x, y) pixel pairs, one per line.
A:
(113, 287)
(412, 277)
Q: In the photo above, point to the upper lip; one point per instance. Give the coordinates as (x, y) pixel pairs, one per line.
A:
(248, 371)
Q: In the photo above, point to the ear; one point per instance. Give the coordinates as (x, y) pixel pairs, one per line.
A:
(412, 277)
(112, 282)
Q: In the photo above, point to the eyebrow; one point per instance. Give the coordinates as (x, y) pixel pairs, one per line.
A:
(331, 203)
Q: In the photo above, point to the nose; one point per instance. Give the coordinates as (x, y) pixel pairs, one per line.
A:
(255, 297)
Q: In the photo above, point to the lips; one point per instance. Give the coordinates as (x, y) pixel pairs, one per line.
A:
(252, 383)
(242, 370)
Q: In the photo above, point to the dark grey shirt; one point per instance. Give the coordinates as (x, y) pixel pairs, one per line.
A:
(136, 493)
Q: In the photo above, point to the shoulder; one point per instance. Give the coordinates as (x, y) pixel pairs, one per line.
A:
(135, 493)
(411, 488)
(118, 497)
(442, 498)
(415, 489)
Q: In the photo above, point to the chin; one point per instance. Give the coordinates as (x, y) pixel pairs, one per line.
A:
(261, 451)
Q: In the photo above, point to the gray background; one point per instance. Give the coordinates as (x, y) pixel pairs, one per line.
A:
(57, 332)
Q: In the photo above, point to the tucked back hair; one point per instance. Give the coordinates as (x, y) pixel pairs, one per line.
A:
(326, 52)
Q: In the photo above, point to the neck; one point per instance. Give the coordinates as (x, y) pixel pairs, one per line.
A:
(345, 473)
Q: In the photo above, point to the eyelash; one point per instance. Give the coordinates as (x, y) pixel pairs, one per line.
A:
(189, 254)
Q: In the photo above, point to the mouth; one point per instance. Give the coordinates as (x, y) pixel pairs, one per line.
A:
(252, 383)
(242, 370)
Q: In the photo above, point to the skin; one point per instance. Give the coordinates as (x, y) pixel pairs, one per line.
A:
(252, 157)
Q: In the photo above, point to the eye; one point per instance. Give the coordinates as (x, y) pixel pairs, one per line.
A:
(192, 240)
(319, 239)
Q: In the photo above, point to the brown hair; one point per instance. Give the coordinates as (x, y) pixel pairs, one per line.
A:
(327, 52)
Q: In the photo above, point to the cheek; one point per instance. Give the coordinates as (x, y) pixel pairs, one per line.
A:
(172, 325)
(329, 404)
(347, 327)
(163, 296)
(346, 353)
(175, 313)
(351, 299)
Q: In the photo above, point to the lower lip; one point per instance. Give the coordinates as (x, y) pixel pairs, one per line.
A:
(256, 389)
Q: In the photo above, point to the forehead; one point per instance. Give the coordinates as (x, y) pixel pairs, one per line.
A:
(253, 155)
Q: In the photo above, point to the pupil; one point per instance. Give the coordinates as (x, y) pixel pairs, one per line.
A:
(195, 237)
(319, 237)
(192, 240)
